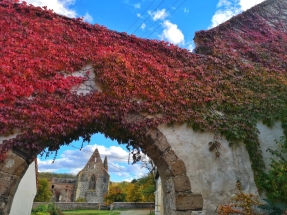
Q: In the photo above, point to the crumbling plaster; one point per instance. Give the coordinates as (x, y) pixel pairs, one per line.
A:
(215, 178)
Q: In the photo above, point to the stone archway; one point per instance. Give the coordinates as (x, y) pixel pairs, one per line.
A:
(178, 196)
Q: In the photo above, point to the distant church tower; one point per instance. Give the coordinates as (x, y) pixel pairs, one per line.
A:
(93, 180)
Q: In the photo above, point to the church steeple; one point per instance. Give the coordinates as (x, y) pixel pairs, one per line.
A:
(106, 163)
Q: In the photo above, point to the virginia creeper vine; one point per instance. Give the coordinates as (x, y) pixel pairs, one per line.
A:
(237, 78)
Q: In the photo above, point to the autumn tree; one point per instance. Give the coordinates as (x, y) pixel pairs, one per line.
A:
(43, 194)
(115, 194)
(134, 193)
(148, 188)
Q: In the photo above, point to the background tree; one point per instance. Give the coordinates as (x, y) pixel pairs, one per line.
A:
(43, 194)
(138, 190)
(134, 193)
(148, 187)
(115, 194)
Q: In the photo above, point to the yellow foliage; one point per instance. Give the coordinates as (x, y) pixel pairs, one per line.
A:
(241, 203)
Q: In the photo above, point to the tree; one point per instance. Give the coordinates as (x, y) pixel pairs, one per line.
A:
(115, 194)
(134, 193)
(43, 194)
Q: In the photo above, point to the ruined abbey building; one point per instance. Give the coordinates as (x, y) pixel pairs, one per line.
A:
(91, 184)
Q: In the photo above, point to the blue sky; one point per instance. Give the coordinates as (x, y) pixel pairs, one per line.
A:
(174, 21)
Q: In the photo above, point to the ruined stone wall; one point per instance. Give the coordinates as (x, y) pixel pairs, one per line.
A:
(81, 186)
(215, 178)
(71, 205)
(63, 192)
(93, 180)
(131, 205)
(28, 189)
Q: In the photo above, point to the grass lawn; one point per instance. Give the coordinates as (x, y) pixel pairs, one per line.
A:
(90, 212)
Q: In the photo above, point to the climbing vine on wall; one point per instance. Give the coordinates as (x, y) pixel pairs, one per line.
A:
(237, 78)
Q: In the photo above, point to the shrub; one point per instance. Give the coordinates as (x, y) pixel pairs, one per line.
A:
(49, 209)
(241, 203)
(274, 182)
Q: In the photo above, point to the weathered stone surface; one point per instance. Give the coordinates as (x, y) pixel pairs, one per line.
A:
(178, 168)
(189, 201)
(168, 186)
(7, 189)
(13, 164)
(153, 152)
(91, 184)
(154, 134)
(213, 178)
(163, 169)
(71, 205)
(181, 183)
(170, 157)
(131, 205)
(162, 144)
(190, 213)
(8, 183)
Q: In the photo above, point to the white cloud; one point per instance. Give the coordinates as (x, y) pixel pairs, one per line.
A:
(230, 8)
(159, 14)
(190, 47)
(246, 4)
(223, 3)
(143, 26)
(172, 33)
(137, 6)
(59, 6)
(138, 15)
(185, 10)
(72, 161)
(88, 18)
(221, 16)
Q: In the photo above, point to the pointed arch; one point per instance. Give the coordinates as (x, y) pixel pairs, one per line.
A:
(92, 182)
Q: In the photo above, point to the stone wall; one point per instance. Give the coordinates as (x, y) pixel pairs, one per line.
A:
(215, 178)
(24, 196)
(93, 180)
(132, 205)
(63, 189)
(71, 205)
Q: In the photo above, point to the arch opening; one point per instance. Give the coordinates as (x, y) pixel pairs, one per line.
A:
(176, 189)
(92, 183)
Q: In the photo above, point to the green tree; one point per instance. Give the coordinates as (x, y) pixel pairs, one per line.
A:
(148, 188)
(274, 182)
(134, 193)
(43, 194)
(115, 194)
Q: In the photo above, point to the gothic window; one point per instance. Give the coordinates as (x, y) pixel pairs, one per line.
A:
(95, 166)
(92, 183)
(95, 159)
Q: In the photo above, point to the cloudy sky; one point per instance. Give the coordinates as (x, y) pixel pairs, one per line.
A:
(174, 21)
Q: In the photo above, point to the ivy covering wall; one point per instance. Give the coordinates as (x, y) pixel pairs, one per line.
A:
(237, 78)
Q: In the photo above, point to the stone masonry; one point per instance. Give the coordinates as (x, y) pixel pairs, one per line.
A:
(91, 183)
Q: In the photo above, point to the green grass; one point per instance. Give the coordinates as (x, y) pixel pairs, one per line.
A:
(90, 212)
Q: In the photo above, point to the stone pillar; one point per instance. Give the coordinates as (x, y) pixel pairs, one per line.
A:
(11, 172)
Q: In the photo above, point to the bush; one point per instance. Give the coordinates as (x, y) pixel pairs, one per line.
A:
(49, 209)
(40, 210)
(274, 182)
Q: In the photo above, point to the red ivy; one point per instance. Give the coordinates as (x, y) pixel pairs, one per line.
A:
(242, 74)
